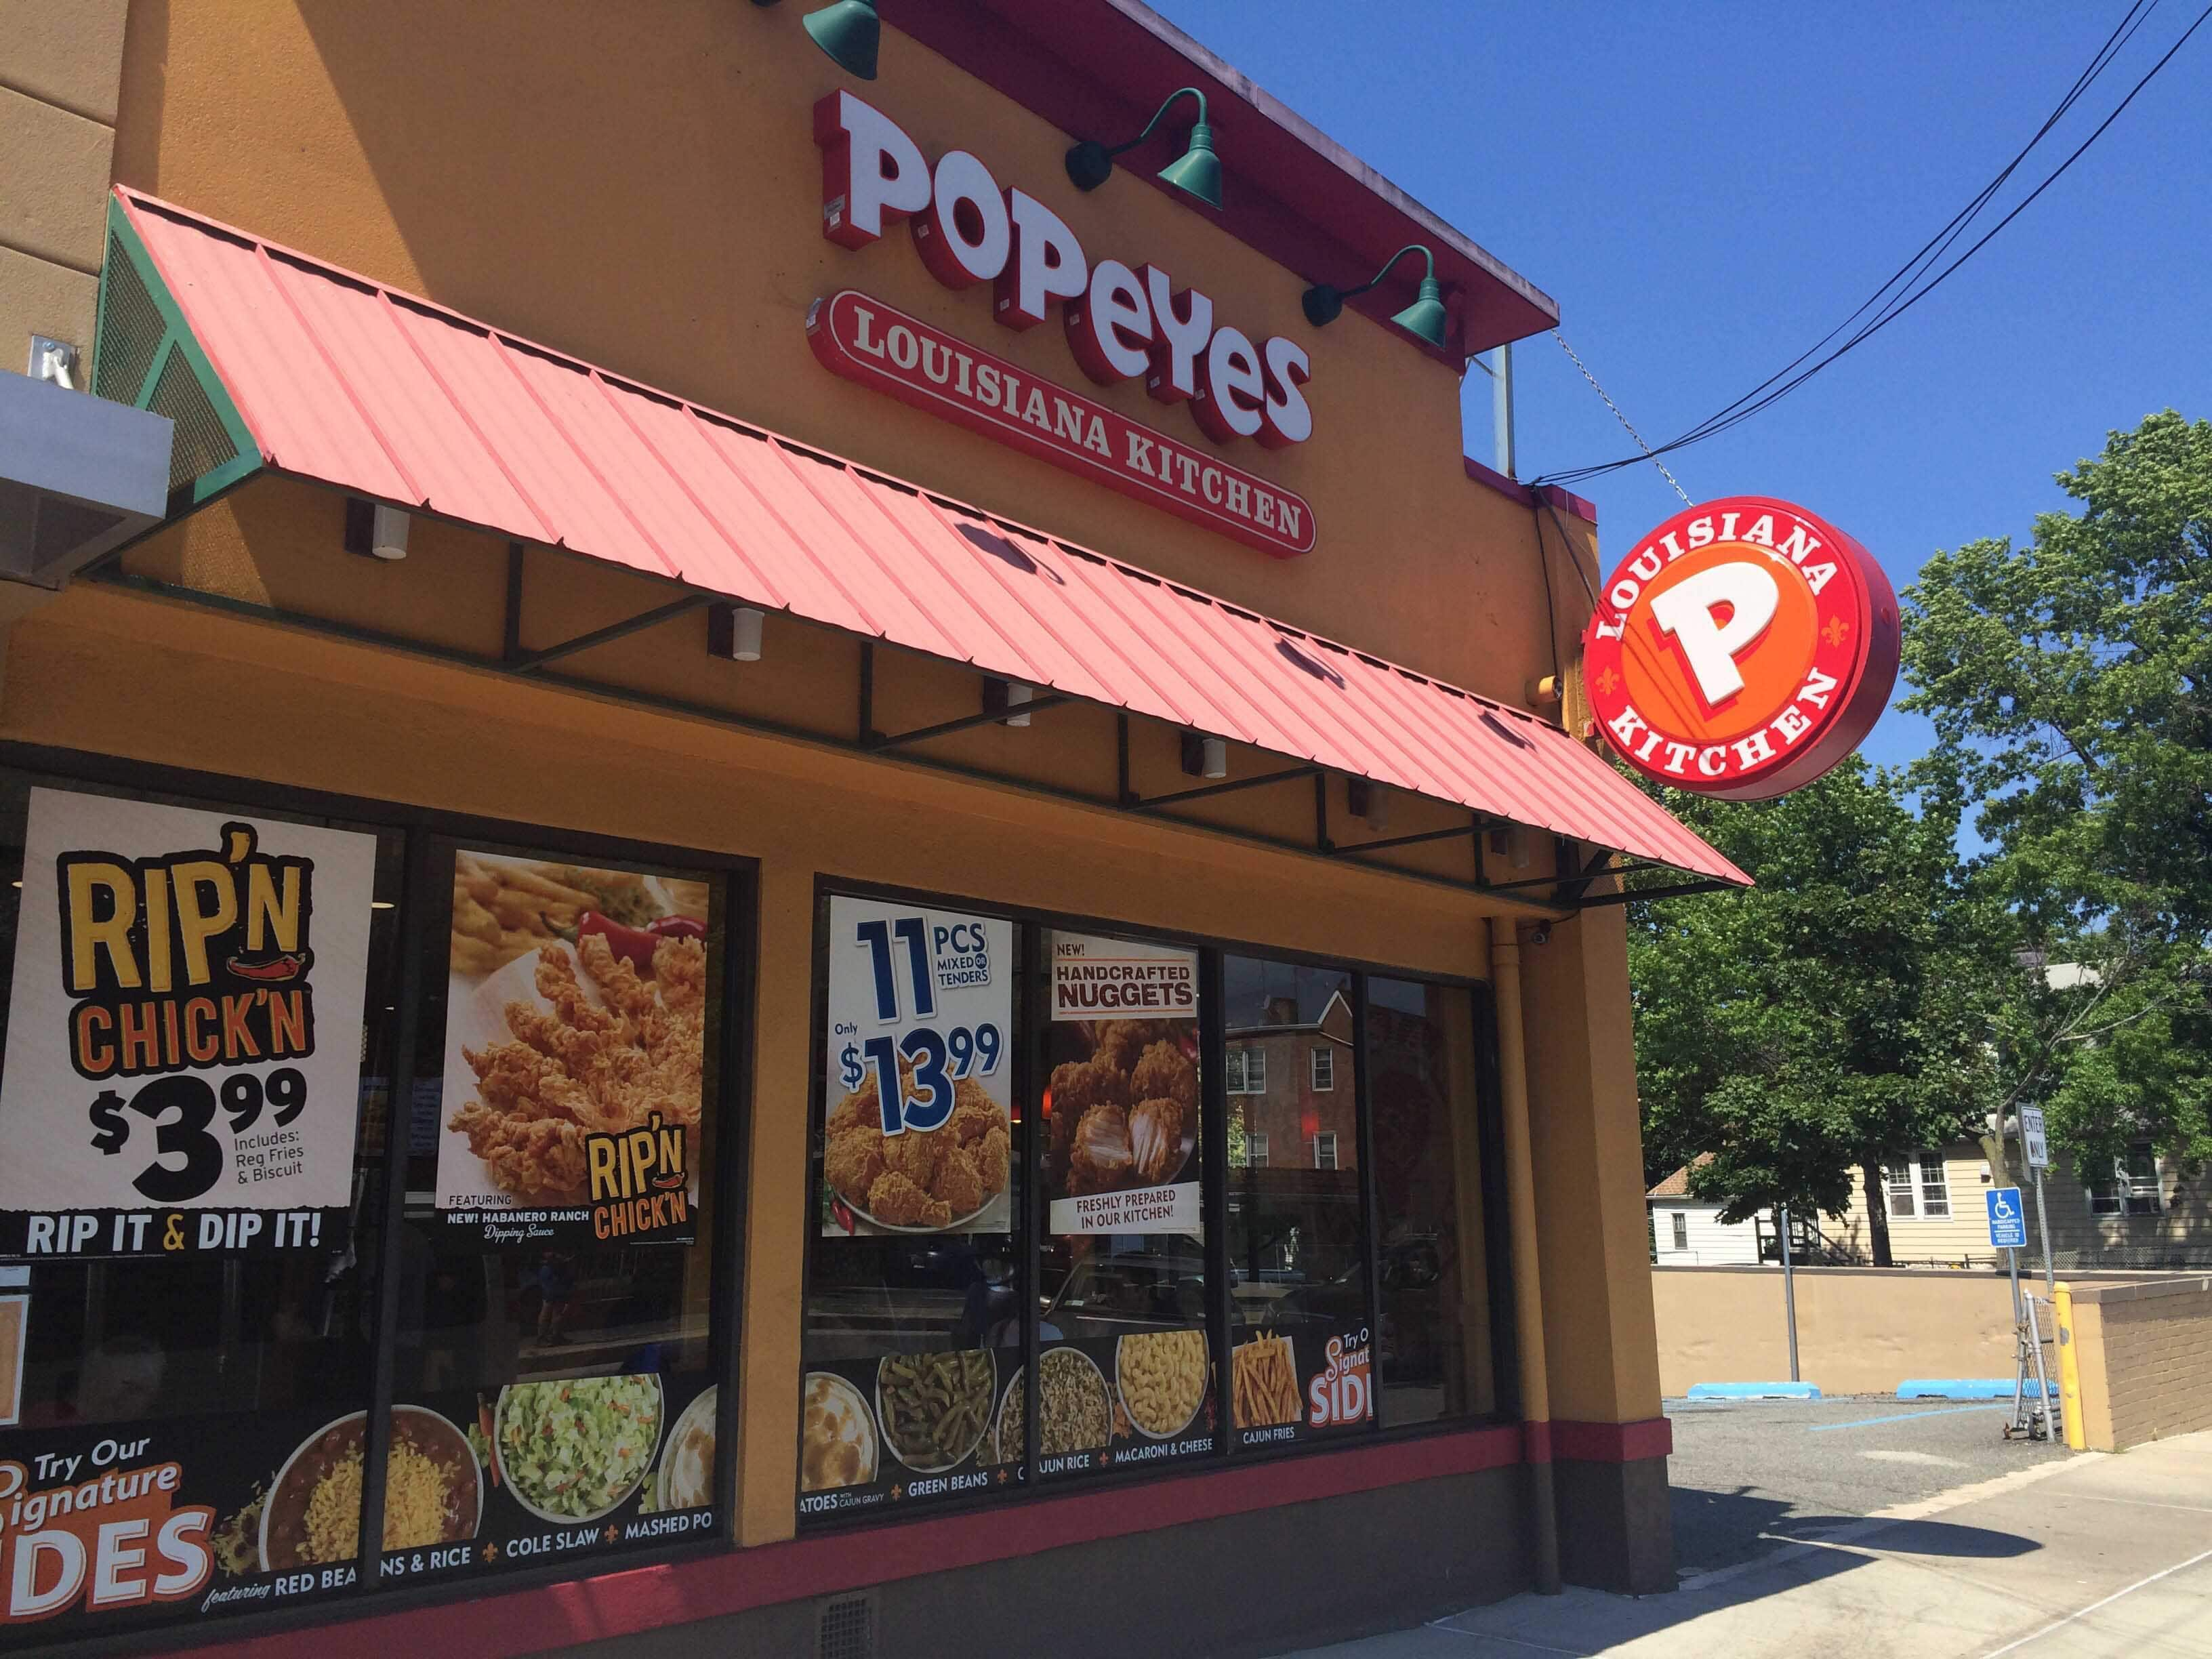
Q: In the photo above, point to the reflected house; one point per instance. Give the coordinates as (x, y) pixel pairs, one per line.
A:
(1290, 1089)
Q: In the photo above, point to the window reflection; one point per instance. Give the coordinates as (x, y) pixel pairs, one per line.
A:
(1433, 1343)
(1297, 1288)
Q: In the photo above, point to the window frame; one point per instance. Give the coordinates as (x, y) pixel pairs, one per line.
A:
(1319, 1052)
(422, 911)
(1680, 1229)
(1329, 1137)
(1905, 1176)
(1255, 1149)
(1213, 950)
(1241, 1083)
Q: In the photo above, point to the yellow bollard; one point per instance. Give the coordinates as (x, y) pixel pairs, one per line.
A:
(2069, 1370)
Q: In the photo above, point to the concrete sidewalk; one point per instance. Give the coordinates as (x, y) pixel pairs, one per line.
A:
(2073, 1558)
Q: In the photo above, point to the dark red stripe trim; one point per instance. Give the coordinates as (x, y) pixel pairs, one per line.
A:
(1613, 1443)
(1565, 499)
(649, 1598)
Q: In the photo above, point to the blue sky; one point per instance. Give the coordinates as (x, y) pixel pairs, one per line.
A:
(1707, 189)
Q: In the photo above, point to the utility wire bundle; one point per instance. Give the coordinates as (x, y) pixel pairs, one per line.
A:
(1911, 283)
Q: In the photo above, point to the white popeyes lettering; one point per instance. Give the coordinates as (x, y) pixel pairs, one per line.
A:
(863, 340)
(1284, 417)
(872, 172)
(965, 236)
(1686, 612)
(1111, 333)
(1712, 761)
(1184, 323)
(1231, 390)
(1792, 723)
(1121, 322)
(1046, 262)
(905, 350)
(1816, 688)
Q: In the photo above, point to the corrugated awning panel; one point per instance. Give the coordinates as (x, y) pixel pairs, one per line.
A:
(381, 393)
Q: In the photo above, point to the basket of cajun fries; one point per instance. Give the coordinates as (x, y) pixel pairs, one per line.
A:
(504, 907)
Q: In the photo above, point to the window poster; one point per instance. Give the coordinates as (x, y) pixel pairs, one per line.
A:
(1123, 1100)
(904, 1430)
(575, 1034)
(183, 1065)
(916, 1130)
(1301, 1378)
(202, 1515)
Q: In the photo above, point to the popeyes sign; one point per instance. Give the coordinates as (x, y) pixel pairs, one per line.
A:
(1122, 323)
(1742, 650)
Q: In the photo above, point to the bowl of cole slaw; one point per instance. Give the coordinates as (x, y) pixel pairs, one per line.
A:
(576, 1449)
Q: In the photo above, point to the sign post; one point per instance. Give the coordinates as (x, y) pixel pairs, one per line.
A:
(1789, 1287)
(2009, 1233)
(2039, 1159)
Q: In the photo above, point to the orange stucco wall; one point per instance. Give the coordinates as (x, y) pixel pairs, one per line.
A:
(645, 195)
(643, 189)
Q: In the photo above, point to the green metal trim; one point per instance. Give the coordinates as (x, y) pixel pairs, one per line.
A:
(177, 337)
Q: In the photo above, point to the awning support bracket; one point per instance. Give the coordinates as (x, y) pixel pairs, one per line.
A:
(1681, 891)
(1153, 803)
(988, 717)
(530, 662)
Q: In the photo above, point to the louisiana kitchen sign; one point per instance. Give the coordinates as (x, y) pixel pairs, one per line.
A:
(1743, 649)
(1122, 323)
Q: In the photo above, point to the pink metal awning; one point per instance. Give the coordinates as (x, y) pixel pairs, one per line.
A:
(353, 384)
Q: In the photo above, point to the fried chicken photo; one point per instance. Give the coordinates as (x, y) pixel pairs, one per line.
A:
(918, 1178)
(585, 1067)
(1163, 1071)
(1077, 1087)
(1101, 1158)
(1121, 1042)
(1156, 1139)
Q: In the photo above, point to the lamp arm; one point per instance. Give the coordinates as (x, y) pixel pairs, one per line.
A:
(1160, 115)
(1377, 280)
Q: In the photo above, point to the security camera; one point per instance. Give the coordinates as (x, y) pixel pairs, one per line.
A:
(1540, 936)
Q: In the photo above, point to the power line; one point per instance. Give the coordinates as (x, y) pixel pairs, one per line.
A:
(1622, 418)
(1906, 297)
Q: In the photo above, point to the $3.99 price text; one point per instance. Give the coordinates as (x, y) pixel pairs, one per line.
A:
(936, 955)
(188, 1158)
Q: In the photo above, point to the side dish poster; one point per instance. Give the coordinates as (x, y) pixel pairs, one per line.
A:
(183, 1065)
(1123, 1103)
(916, 1135)
(576, 1046)
(191, 1516)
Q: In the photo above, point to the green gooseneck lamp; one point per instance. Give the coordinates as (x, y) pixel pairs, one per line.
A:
(1425, 319)
(1196, 172)
(850, 31)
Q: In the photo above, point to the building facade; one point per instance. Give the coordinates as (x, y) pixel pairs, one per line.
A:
(816, 881)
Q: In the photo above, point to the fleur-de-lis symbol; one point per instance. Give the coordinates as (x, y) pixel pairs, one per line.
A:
(1607, 681)
(1836, 631)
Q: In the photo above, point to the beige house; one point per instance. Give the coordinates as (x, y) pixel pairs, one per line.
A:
(2141, 1211)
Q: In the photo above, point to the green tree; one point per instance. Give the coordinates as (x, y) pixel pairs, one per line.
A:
(1835, 1014)
(2070, 684)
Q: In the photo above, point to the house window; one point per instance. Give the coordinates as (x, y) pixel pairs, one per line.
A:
(1681, 1231)
(1324, 1070)
(1255, 1149)
(2133, 1188)
(1324, 1151)
(1918, 1186)
(1246, 1070)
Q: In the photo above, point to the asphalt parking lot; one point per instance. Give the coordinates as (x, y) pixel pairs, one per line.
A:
(1752, 1476)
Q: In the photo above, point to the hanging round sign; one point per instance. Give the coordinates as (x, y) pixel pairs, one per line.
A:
(1743, 650)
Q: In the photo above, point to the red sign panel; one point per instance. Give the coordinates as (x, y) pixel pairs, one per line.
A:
(1742, 650)
(878, 345)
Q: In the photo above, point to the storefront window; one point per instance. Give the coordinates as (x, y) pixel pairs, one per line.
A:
(555, 1257)
(1126, 1375)
(193, 1110)
(1433, 1353)
(913, 1333)
(1300, 1325)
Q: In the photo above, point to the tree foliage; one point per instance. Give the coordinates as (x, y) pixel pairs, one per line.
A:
(2070, 684)
(1833, 1015)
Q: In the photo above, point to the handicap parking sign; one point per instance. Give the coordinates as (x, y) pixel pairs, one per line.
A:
(2007, 1221)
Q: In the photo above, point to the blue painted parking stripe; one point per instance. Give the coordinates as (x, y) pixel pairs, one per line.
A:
(1901, 1417)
